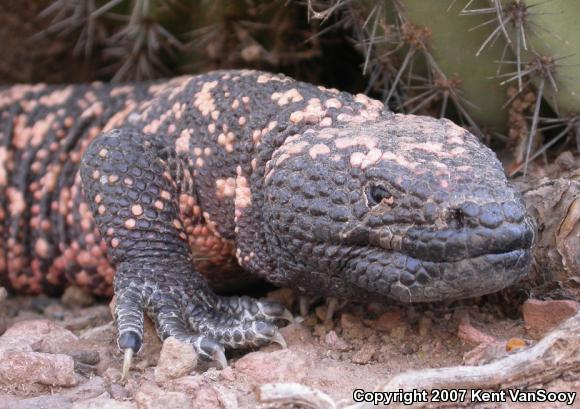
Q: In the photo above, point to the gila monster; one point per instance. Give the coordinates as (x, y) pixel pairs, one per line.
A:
(159, 192)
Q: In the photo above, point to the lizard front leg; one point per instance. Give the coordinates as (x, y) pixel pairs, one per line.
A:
(132, 182)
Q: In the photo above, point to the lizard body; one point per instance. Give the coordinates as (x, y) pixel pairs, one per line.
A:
(153, 190)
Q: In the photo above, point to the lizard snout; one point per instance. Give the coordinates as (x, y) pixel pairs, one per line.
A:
(471, 231)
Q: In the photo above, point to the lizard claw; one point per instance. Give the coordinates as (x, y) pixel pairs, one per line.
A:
(129, 342)
(220, 357)
(331, 307)
(279, 339)
(273, 310)
(287, 315)
(127, 358)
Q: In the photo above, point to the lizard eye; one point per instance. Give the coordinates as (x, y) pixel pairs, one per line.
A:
(376, 194)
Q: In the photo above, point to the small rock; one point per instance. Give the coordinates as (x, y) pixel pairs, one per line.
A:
(73, 296)
(211, 374)
(90, 389)
(45, 336)
(118, 392)
(150, 396)
(177, 359)
(471, 335)
(335, 342)
(89, 317)
(132, 385)
(515, 344)
(187, 384)
(18, 367)
(543, 316)
(320, 331)
(252, 53)
(38, 402)
(388, 321)
(56, 312)
(282, 365)
(37, 335)
(112, 375)
(207, 398)
(408, 348)
(349, 321)
(228, 397)
(85, 356)
(364, 355)
(308, 321)
(102, 403)
(425, 324)
(201, 395)
(399, 332)
(352, 326)
(296, 334)
(566, 161)
(103, 334)
(228, 374)
(284, 296)
(320, 312)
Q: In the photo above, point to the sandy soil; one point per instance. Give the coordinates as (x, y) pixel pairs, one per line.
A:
(359, 348)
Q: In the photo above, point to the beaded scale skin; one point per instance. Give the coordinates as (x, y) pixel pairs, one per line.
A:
(161, 191)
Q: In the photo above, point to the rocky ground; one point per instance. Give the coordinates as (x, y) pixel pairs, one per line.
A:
(61, 353)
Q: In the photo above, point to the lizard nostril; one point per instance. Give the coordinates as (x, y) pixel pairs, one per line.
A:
(456, 218)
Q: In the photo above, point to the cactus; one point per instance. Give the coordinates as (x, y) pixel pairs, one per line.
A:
(146, 39)
(130, 33)
(544, 37)
(497, 61)
(452, 48)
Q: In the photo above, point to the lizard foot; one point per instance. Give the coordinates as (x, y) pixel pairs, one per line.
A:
(189, 311)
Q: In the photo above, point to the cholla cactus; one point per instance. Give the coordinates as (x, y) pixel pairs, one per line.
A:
(473, 60)
(146, 39)
(129, 32)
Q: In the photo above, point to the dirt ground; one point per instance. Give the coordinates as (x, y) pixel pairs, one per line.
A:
(359, 348)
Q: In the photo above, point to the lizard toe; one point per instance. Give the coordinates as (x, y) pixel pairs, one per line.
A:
(169, 309)
(129, 316)
(249, 309)
(229, 329)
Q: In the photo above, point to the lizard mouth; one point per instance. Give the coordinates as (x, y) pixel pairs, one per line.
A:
(456, 245)
(427, 265)
(403, 278)
(471, 277)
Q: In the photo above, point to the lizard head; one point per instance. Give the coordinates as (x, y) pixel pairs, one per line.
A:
(408, 207)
